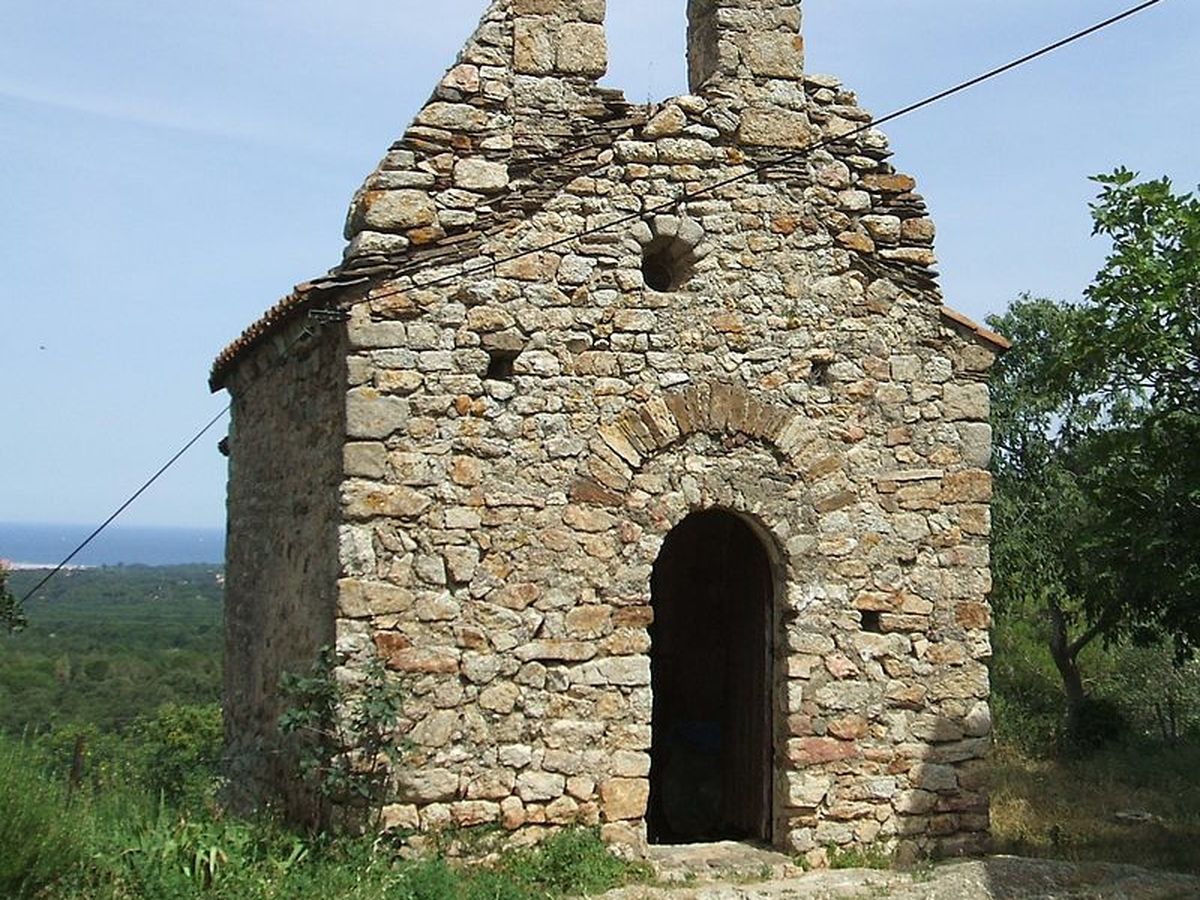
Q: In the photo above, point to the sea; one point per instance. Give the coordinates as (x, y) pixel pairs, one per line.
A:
(25, 545)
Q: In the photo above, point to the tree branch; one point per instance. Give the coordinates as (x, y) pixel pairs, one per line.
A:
(1098, 628)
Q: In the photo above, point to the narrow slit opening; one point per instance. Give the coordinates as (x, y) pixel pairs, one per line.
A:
(500, 364)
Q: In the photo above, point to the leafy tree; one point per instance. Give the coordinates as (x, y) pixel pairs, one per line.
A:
(1139, 344)
(1136, 351)
(1039, 502)
(1097, 423)
(12, 617)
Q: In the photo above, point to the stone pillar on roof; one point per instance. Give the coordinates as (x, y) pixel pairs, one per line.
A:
(734, 43)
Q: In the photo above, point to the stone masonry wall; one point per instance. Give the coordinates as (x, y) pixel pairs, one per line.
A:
(285, 447)
(498, 533)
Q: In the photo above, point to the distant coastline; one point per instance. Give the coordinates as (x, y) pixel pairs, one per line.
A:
(17, 566)
(28, 545)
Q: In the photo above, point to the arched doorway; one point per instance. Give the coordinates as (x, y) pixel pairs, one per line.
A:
(710, 775)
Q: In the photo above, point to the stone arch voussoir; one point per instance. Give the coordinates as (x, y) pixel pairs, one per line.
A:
(619, 449)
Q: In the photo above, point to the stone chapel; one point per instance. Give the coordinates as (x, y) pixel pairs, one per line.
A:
(639, 444)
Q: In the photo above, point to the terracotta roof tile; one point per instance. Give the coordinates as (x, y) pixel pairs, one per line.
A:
(998, 341)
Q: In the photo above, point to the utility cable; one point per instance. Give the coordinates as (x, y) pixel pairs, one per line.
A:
(666, 205)
(120, 509)
(787, 158)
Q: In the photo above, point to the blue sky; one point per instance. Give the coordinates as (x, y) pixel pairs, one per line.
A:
(171, 168)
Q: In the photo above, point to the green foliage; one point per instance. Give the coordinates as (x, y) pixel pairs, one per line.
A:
(858, 857)
(119, 845)
(1039, 510)
(106, 646)
(1135, 693)
(38, 840)
(174, 753)
(344, 731)
(180, 750)
(569, 862)
(166, 853)
(1039, 503)
(1140, 340)
(12, 617)
(1159, 695)
(1097, 508)
(1135, 350)
(1038, 496)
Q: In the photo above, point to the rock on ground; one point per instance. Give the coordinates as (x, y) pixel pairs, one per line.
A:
(997, 878)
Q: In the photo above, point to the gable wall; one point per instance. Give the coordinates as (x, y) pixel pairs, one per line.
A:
(498, 537)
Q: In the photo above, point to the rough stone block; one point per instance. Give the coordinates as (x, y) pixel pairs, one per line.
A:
(370, 414)
(815, 750)
(427, 785)
(624, 798)
(397, 210)
(806, 790)
(969, 486)
(774, 127)
(775, 54)
(668, 122)
(453, 117)
(965, 401)
(582, 49)
(480, 175)
(556, 651)
(369, 500)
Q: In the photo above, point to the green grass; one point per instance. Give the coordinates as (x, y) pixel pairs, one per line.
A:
(40, 836)
(858, 858)
(569, 862)
(119, 844)
(243, 861)
(1067, 808)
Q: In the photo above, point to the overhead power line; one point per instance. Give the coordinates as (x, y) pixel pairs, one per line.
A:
(664, 206)
(788, 158)
(124, 506)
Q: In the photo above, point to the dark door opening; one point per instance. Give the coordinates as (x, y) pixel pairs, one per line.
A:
(710, 773)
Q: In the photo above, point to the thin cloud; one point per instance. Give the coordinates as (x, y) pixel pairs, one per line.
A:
(138, 111)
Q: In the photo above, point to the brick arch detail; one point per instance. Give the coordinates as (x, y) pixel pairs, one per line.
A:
(619, 449)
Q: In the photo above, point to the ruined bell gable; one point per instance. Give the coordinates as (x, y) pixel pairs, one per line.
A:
(639, 444)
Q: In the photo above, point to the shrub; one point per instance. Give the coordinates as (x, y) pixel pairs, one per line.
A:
(344, 735)
(12, 615)
(173, 753)
(180, 750)
(1100, 722)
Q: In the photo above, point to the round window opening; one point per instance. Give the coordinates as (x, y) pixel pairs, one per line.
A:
(667, 264)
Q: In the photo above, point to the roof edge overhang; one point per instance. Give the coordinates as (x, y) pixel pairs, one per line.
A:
(996, 341)
(303, 296)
